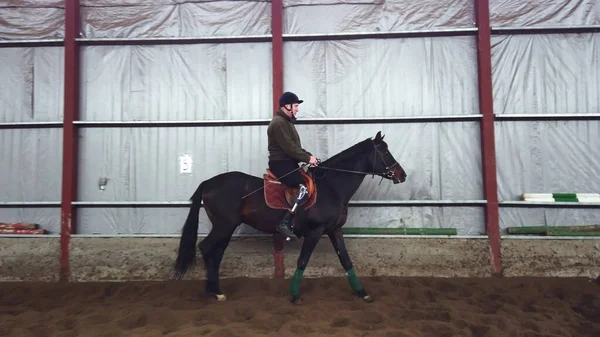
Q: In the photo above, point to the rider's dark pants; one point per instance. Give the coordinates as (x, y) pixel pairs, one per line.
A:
(282, 167)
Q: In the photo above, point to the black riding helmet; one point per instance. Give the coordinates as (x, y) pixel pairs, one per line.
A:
(289, 98)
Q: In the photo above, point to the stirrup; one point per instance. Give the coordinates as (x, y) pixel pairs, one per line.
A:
(301, 194)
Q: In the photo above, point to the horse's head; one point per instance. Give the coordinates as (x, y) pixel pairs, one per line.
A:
(383, 163)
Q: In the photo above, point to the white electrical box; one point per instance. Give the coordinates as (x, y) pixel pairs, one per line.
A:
(185, 164)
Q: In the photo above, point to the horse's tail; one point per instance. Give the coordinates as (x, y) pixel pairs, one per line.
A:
(186, 256)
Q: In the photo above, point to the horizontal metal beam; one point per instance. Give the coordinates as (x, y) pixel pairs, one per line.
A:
(470, 31)
(366, 203)
(171, 40)
(255, 122)
(270, 236)
(27, 204)
(32, 43)
(390, 120)
(140, 235)
(316, 121)
(417, 203)
(548, 204)
(31, 125)
(286, 37)
(545, 30)
(538, 117)
(166, 123)
(127, 204)
(357, 203)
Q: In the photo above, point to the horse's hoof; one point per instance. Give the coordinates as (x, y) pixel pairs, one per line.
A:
(364, 296)
(367, 298)
(296, 300)
(220, 297)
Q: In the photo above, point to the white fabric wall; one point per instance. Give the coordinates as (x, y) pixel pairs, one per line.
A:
(337, 79)
(32, 19)
(536, 13)
(384, 78)
(177, 82)
(174, 18)
(31, 90)
(345, 16)
(546, 74)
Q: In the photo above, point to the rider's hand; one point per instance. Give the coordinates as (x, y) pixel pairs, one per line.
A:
(313, 161)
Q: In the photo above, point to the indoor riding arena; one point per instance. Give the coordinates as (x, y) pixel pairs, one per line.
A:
(113, 112)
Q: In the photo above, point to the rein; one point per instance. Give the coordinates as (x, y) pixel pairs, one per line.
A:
(389, 173)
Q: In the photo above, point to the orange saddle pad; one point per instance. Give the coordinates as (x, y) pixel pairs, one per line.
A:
(279, 196)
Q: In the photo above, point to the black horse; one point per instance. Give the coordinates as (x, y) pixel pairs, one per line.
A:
(230, 200)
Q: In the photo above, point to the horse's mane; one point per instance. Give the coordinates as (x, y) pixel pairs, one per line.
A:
(349, 153)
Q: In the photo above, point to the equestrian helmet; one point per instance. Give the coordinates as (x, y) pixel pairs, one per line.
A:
(289, 98)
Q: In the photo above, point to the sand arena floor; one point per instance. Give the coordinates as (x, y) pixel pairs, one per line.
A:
(528, 307)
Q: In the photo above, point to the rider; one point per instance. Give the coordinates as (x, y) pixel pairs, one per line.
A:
(285, 152)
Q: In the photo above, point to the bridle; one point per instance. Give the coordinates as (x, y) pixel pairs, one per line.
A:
(388, 173)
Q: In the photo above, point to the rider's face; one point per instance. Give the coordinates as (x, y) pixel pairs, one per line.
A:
(292, 109)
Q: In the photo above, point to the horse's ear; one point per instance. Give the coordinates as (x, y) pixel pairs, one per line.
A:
(379, 137)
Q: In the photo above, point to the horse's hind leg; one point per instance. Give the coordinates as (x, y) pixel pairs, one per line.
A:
(337, 240)
(213, 248)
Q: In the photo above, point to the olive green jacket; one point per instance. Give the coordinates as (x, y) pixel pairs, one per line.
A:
(284, 142)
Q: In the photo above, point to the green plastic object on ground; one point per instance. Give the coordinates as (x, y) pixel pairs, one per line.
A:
(552, 230)
(399, 231)
(559, 233)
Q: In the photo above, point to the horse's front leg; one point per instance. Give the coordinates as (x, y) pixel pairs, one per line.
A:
(311, 238)
(337, 240)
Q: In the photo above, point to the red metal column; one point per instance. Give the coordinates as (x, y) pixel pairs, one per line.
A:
(486, 106)
(277, 59)
(277, 49)
(71, 108)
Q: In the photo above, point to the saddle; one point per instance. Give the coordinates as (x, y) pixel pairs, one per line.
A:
(279, 196)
